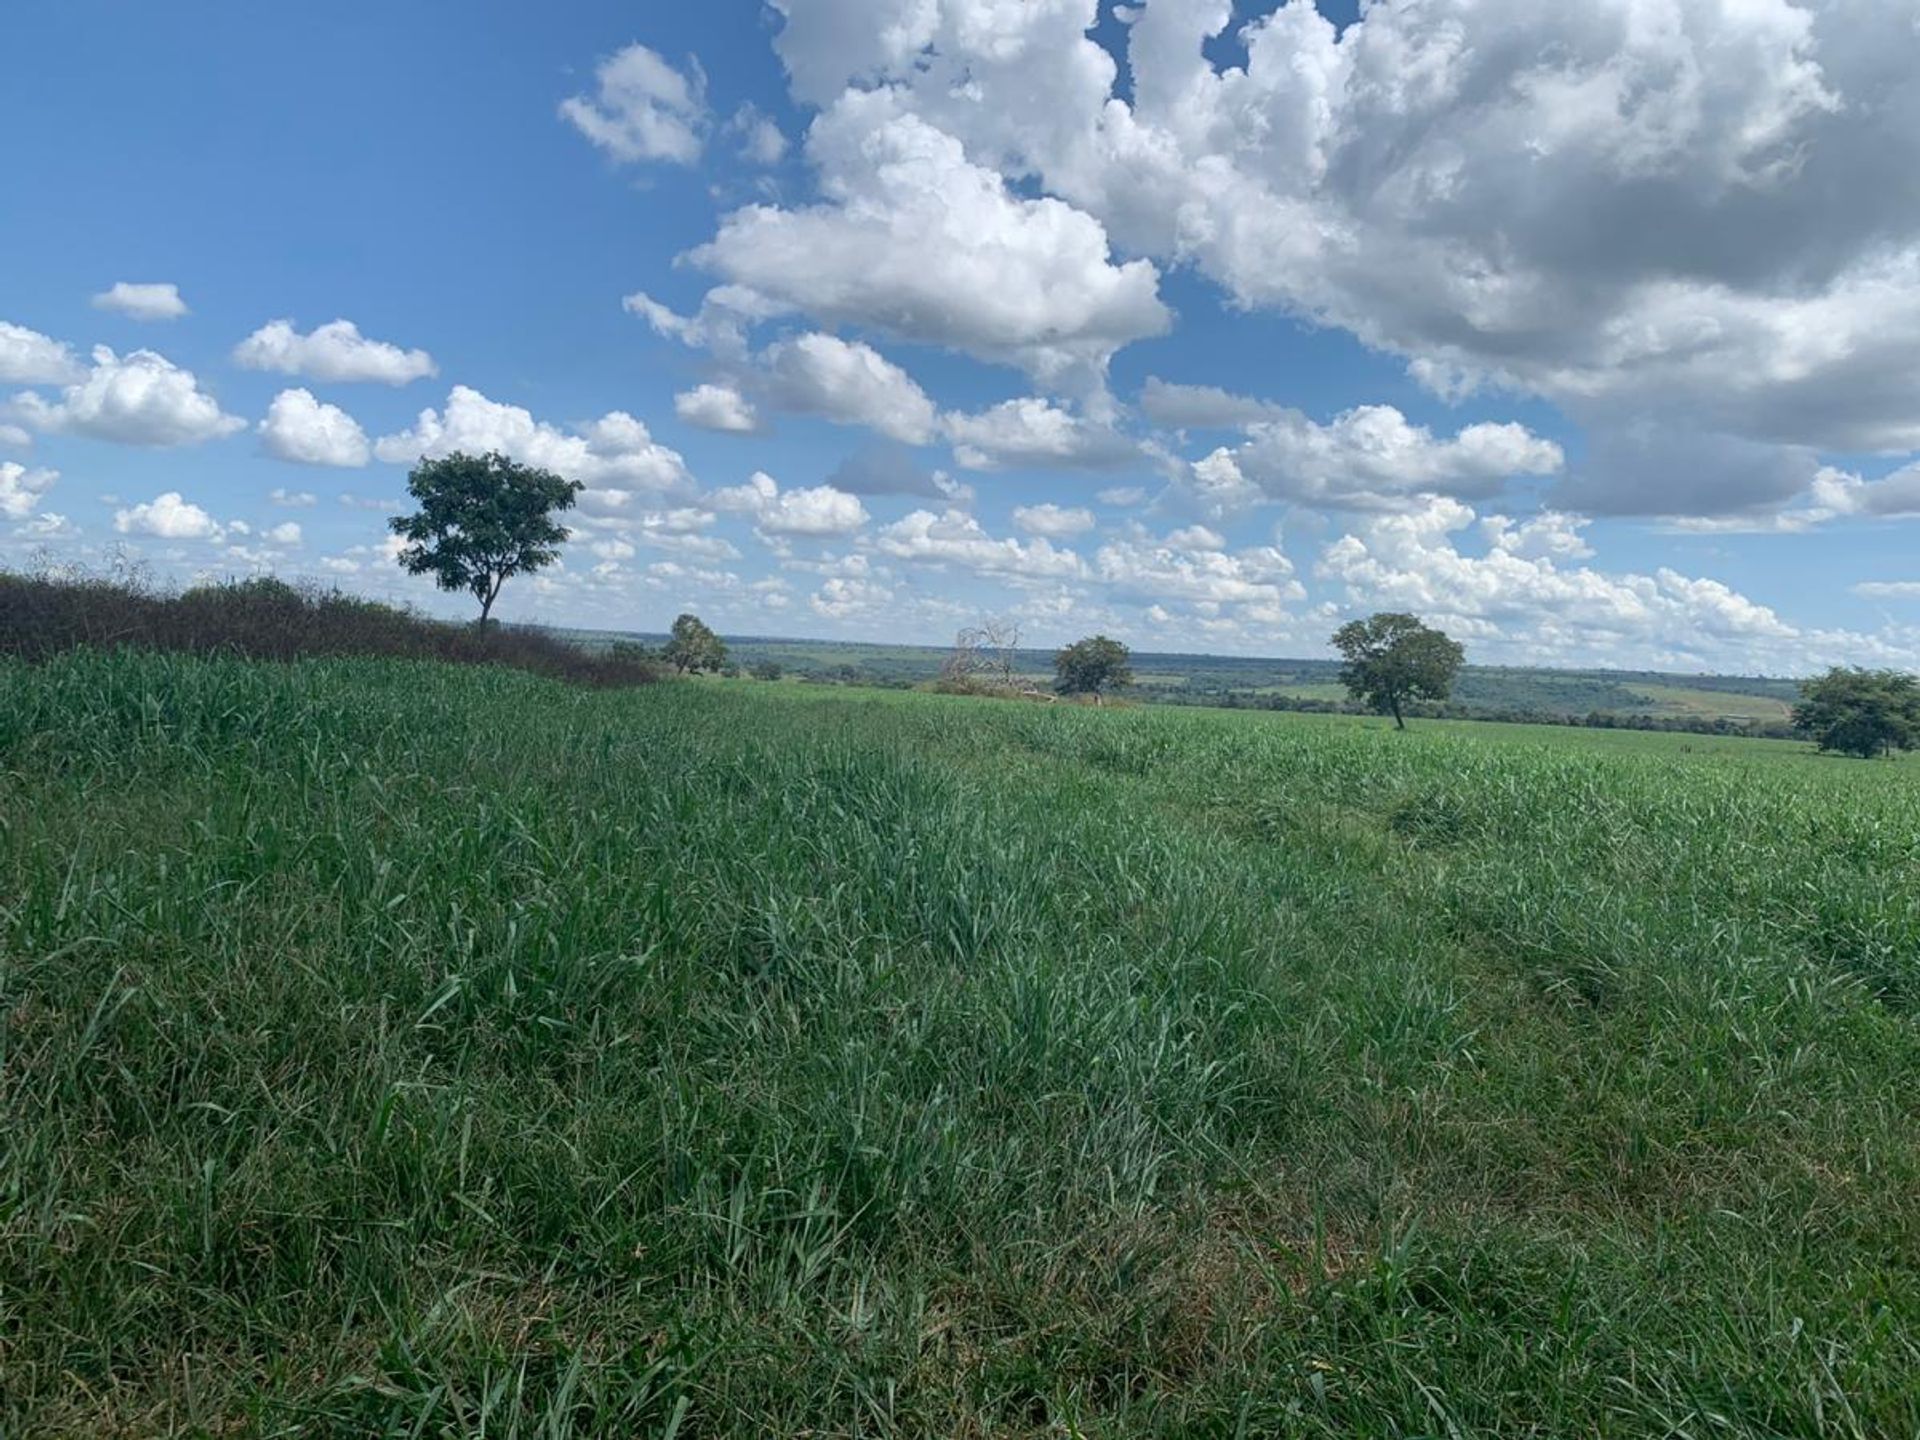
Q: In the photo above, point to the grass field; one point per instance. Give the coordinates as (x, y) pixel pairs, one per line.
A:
(391, 1048)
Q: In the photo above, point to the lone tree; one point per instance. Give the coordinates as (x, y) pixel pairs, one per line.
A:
(693, 647)
(1092, 666)
(1860, 712)
(482, 520)
(1393, 658)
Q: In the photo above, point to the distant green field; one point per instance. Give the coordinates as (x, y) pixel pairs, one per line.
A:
(1499, 691)
(1683, 700)
(396, 1049)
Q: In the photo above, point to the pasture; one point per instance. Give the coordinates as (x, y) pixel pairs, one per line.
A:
(396, 1048)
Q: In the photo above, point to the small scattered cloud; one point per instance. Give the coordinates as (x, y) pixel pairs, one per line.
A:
(142, 301)
(717, 407)
(642, 108)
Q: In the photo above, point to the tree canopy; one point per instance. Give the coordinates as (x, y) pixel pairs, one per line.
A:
(1392, 658)
(482, 520)
(1092, 666)
(1860, 712)
(693, 647)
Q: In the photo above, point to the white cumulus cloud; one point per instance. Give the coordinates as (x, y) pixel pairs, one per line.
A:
(849, 383)
(917, 241)
(141, 399)
(22, 489)
(615, 457)
(142, 301)
(956, 539)
(29, 358)
(814, 511)
(642, 108)
(1036, 432)
(306, 431)
(170, 516)
(716, 407)
(335, 352)
(1056, 522)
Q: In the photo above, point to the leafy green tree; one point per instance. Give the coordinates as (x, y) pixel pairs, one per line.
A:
(482, 520)
(1860, 712)
(693, 647)
(765, 670)
(1092, 666)
(1393, 658)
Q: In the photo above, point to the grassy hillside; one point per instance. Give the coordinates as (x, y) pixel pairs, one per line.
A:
(397, 1048)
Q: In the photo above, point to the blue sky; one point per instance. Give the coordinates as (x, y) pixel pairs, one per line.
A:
(1591, 337)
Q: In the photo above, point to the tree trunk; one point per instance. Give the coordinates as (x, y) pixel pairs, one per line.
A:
(1398, 722)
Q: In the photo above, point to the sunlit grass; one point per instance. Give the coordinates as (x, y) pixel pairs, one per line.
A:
(395, 1048)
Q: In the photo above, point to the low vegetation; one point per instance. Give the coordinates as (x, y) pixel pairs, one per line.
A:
(45, 615)
(393, 1047)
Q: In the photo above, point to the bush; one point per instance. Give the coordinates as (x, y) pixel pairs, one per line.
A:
(268, 619)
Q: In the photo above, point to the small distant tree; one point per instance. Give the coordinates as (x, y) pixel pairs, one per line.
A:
(482, 520)
(1393, 658)
(692, 647)
(1093, 666)
(1860, 712)
(765, 670)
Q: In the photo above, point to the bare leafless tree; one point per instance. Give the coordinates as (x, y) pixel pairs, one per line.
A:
(986, 654)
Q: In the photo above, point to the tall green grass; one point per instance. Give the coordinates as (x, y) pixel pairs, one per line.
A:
(394, 1048)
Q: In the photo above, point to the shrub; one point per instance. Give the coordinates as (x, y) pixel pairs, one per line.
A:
(268, 619)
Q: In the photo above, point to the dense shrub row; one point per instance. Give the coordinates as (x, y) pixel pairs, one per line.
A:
(268, 619)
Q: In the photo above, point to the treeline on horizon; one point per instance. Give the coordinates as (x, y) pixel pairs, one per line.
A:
(268, 618)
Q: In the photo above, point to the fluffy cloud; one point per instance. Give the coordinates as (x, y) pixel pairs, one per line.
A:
(1372, 457)
(142, 302)
(642, 108)
(917, 241)
(1692, 210)
(1033, 431)
(843, 598)
(1888, 589)
(293, 499)
(143, 399)
(1203, 407)
(891, 470)
(956, 539)
(815, 511)
(22, 489)
(850, 383)
(168, 517)
(336, 351)
(1524, 598)
(29, 358)
(1053, 521)
(1204, 574)
(716, 407)
(761, 141)
(615, 457)
(307, 432)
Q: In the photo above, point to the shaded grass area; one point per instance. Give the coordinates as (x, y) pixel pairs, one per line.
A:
(398, 1048)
